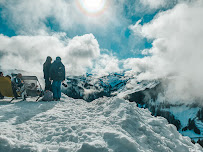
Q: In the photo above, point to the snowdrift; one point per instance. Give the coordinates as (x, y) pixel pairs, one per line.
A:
(106, 124)
(156, 95)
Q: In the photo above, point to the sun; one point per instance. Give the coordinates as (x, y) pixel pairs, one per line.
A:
(92, 7)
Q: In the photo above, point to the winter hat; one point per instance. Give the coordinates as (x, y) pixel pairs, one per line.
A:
(58, 58)
(49, 59)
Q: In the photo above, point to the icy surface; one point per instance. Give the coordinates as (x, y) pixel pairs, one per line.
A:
(104, 125)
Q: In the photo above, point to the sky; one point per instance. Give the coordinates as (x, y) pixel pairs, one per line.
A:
(107, 22)
(147, 38)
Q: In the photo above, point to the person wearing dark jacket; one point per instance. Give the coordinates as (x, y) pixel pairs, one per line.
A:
(57, 74)
(1, 75)
(46, 69)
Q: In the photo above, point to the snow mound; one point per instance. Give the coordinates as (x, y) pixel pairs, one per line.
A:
(104, 125)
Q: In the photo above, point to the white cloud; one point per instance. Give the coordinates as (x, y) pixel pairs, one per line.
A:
(137, 28)
(29, 52)
(81, 50)
(177, 48)
(83, 47)
(105, 64)
(147, 68)
(32, 17)
(78, 54)
(143, 7)
(154, 4)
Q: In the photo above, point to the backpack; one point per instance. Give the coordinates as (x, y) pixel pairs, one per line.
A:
(60, 71)
(57, 71)
(48, 96)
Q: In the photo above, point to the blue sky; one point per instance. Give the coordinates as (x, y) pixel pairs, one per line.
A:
(116, 36)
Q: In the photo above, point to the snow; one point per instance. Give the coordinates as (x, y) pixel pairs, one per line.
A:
(105, 125)
(135, 86)
(183, 113)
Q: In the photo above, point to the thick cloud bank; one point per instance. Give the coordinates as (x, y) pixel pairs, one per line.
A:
(29, 52)
(79, 54)
(177, 36)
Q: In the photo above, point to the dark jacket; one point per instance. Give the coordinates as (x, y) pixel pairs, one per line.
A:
(57, 71)
(46, 69)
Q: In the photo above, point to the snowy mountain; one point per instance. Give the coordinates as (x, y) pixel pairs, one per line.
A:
(91, 87)
(105, 125)
(188, 118)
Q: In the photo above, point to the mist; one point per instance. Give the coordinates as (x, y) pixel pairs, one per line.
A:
(177, 50)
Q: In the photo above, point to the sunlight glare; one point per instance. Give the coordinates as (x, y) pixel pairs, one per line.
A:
(92, 6)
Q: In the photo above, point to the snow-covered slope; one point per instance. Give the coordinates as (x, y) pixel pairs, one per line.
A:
(187, 117)
(105, 125)
(147, 94)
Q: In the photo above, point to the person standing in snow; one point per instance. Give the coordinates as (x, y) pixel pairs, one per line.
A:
(1, 75)
(57, 74)
(46, 69)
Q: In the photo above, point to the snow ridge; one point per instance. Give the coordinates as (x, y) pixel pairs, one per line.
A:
(106, 124)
